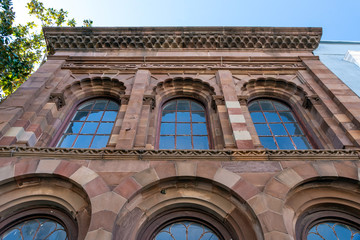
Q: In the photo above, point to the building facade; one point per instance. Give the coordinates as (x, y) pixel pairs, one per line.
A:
(181, 133)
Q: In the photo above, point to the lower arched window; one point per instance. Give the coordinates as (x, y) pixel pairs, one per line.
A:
(333, 231)
(277, 126)
(186, 230)
(36, 228)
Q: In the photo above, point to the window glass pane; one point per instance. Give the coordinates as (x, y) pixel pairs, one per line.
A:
(167, 142)
(170, 106)
(287, 116)
(80, 116)
(113, 106)
(100, 104)
(198, 116)
(293, 128)
(109, 116)
(332, 230)
(86, 106)
(301, 142)
(284, 143)
(262, 129)
(105, 128)
(89, 128)
(266, 105)
(272, 116)
(95, 116)
(254, 106)
(74, 127)
(183, 129)
(183, 105)
(183, 116)
(281, 107)
(278, 129)
(201, 142)
(168, 116)
(167, 129)
(67, 141)
(83, 141)
(183, 142)
(196, 107)
(199, 129)
(257, 117)
(36, 229)
(100, 141)
(268, 142)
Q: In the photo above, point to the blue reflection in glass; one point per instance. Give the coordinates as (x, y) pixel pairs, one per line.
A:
(167, 142)
(287, 116)
(109, 116)
(183, 129)
(257, 117)
(272, 117)
(199, 129)
(254, 107)
(167, 129)
(196, 107)
(113, 106)
(89, 127)
(80, 116)
(183, 116)
(100, 141)
(67, 141)
(268, 142)
(95, 116)
(278, 129)
(266, 105)
(183, 142)
(262, 130)
(284, 143)
(86, 106)
(201, 142)
(301, 142)
(105, 128)
(74, 127)
(170, 106)
(293, 128)
(100, 104)
(83, 141)
(333, 231)
(183, 105)
(198, 116)
(168, 117)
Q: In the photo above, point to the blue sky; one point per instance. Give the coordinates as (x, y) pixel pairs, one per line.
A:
(340, 19)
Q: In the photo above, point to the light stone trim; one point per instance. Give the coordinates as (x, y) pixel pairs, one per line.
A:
(239, 118)
(47, 166)
(83, 176)
(226, 177)
(232, 104)
(15, 132)
(242, 135)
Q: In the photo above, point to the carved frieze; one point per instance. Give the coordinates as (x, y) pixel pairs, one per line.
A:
(58, 38)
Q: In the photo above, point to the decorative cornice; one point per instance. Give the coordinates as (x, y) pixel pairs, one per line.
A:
(220, 155)
(237, 38)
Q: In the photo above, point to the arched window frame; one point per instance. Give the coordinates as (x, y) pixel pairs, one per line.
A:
(56, 140)
(41, 212)
(324, 214)
(206, 110)
(298, 119)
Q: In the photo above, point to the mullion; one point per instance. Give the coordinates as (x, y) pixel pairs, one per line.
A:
(267, 123)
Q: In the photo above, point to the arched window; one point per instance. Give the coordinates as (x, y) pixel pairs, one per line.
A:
(186, 230)
(183, 125)
(36, 228)
(277, 126)
(91, 125)
(333, 230)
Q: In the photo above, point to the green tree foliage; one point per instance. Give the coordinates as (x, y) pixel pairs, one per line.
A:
(22, 47)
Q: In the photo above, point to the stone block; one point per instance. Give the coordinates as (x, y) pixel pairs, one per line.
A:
(185, 168)
(109, 201)
(289, 177)
(146, 177)
(96, 187)
(226, 177)
(83, 175)
(47, 166)
(99, 234)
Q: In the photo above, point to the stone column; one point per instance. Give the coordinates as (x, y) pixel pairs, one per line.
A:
(133, 112)
(143, 128)
(238, 125)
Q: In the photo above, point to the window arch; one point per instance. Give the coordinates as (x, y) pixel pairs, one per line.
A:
(90, 125)
(277, 126)
(183, 125)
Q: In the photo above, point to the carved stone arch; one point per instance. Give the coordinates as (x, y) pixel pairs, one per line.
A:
(276, 88)
(184, 87)
(93, 87)
(90, 187)
(281, 189)
(186, 190)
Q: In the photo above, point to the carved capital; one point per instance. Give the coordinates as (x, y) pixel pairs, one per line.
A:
(58, 99)
(217, 100)
(124, 100)
(149, 100)
(243, 100)
(309, 101)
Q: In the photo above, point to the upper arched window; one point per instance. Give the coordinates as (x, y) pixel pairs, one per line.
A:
(333, 230)
(91, 125)
(183, 125)
(277, 126)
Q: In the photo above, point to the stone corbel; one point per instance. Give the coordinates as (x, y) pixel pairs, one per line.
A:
(58, 99)
(124, 99)
(149, 100)
(243, 100)
(217, 100)
(309, 101)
